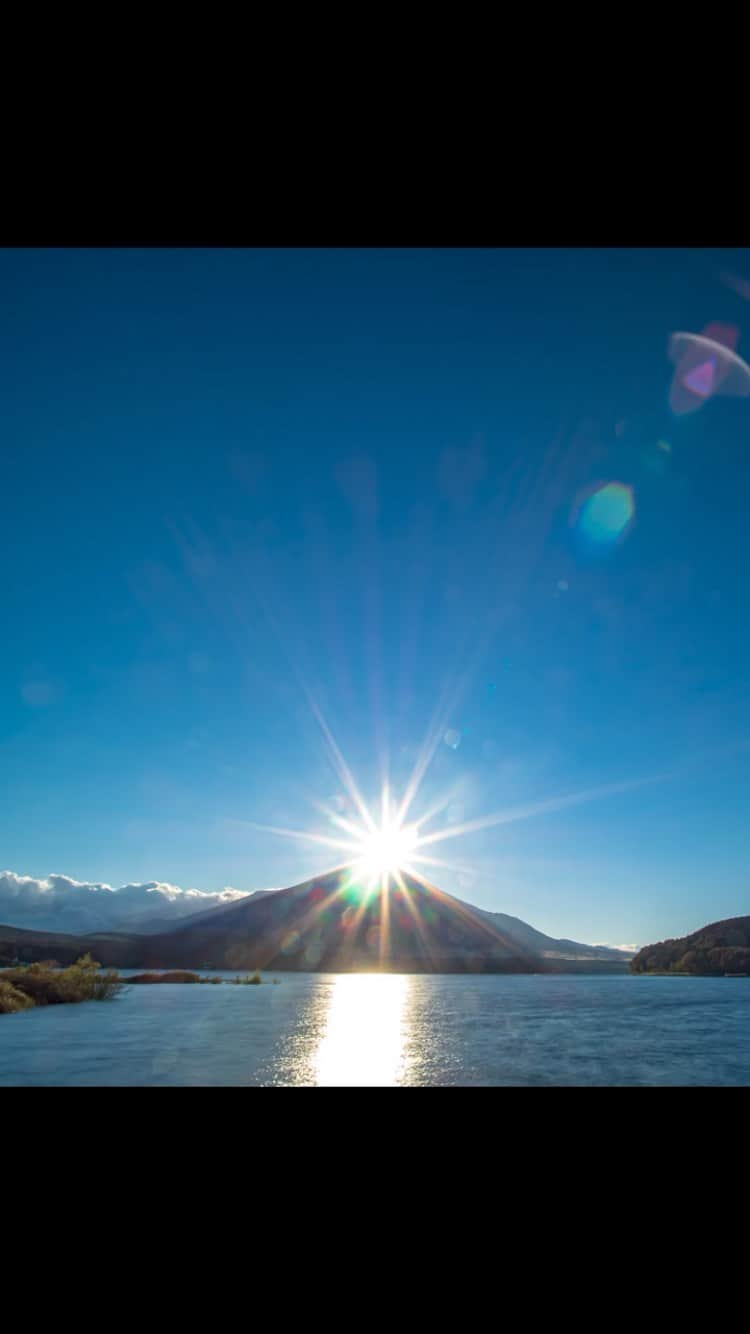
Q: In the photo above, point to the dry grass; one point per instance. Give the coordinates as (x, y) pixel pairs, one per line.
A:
(12, 1000)
(44, 984)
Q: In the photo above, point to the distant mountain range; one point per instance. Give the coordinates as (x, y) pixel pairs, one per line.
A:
(78, 907)
(328, 925)
(717, 950)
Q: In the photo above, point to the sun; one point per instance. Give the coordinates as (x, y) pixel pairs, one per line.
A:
(390, 854)
(386, 851)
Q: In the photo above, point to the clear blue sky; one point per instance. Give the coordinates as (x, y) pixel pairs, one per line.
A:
(233, 477)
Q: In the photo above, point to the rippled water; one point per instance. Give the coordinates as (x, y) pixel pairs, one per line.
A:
(406, 1030)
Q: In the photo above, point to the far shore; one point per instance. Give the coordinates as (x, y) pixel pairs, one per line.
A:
(35, 985)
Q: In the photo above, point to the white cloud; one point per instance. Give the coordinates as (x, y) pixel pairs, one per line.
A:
(604, 944)
(59, 903)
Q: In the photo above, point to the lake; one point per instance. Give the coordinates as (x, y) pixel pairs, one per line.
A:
(354, 1029)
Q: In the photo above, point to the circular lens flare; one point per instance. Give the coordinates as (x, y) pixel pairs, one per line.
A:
(606, 514)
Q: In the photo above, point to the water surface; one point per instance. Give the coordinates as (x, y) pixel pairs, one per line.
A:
(320, 1029)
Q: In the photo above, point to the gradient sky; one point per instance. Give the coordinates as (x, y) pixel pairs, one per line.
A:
(237, 483)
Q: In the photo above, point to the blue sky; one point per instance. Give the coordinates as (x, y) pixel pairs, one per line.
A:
(236, 482)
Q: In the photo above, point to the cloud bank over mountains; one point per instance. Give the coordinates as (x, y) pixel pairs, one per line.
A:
(59, 903)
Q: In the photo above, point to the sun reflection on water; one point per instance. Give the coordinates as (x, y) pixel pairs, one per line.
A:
(364, 1038)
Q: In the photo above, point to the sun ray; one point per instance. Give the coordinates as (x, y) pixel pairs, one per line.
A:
(303, 833)
(337, 819)
(439, 861)
(413, 909)
(468, 916)
(384, 807)
(512, 814)
(359, 912)
(437, 808)
(385, 920)
(342, 767)
(449, 702)
(424, 759)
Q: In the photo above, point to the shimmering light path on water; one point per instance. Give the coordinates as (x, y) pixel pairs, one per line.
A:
(316, 1029)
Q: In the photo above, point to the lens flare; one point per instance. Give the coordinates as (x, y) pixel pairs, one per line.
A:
(607, 513)
(707, 365)
(739, 285)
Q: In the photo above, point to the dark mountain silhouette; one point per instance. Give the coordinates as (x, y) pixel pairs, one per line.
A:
(330, 924)
(537, 943)
(714, 951)
(19, 945)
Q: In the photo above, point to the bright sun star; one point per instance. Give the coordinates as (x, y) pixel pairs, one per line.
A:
(387, 850)
(382, 855)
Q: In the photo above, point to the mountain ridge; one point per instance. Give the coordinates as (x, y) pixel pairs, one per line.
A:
(329, 923)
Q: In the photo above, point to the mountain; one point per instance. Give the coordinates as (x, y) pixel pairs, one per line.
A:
(537, 943)
(716, 950)
(18, 944)
(330, 925)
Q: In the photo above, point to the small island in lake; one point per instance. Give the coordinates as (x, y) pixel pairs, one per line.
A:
(250, 980)
(45, 983)
(721, 949)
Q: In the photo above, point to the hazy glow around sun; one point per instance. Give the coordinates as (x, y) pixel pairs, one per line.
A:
(387, 850)
(393, 849)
